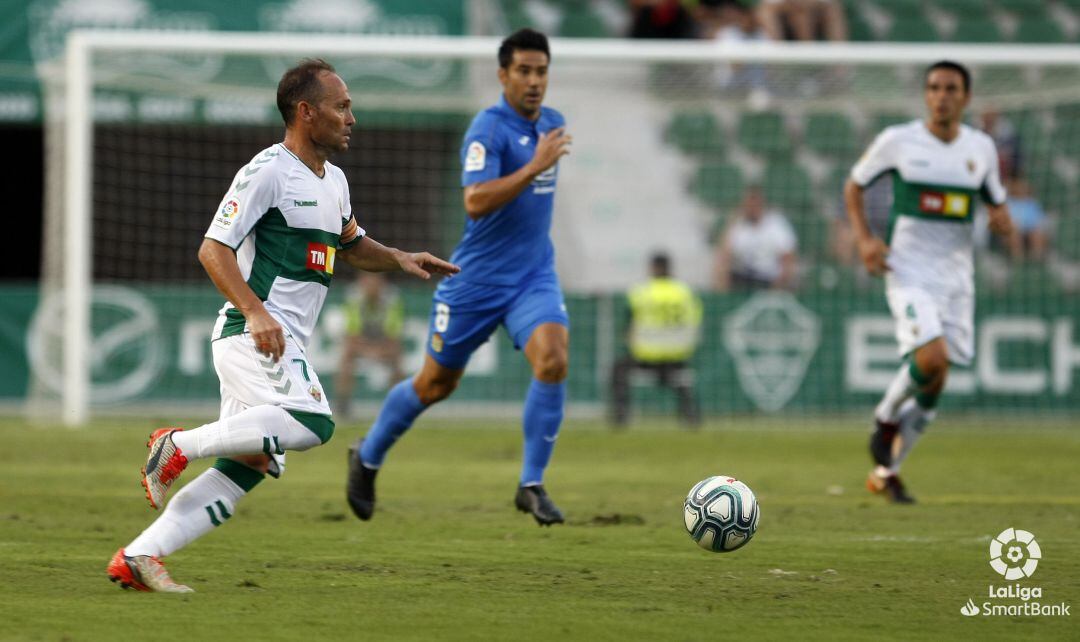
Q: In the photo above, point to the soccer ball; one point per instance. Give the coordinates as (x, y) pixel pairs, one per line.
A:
(721, 514)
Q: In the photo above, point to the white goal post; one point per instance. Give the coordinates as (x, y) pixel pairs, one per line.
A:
(78, 122)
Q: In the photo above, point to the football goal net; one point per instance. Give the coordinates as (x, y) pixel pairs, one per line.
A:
(673, 143)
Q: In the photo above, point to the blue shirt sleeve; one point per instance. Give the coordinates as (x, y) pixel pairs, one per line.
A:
(481, 152)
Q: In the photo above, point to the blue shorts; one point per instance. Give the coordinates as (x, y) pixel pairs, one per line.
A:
(464, 315)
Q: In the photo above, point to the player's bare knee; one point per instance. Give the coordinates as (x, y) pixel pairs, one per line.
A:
(552, 366)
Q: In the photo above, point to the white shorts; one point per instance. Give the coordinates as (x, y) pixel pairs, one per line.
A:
(922, 317)
(249, 379)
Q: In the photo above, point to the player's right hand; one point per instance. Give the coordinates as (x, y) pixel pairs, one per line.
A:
(874, 254)
(267, 333)
(550, 147)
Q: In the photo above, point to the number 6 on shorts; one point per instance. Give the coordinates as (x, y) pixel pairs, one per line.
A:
(442, 317)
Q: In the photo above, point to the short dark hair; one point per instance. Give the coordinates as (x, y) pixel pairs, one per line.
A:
(301, 83)
(524, 40)
(660, 263)
(954, 66)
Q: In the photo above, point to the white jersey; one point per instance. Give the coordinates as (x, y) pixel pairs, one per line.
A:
(285, 224)
(934, 188)
(757, 248)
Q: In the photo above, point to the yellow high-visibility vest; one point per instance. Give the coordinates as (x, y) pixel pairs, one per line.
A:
(385, 318)
(665, 321)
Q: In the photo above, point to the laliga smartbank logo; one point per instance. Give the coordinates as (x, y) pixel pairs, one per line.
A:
(1014, 554)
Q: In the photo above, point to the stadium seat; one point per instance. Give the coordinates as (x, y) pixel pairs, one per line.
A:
(1066, 236)
(1055, 77)
(1025, 8)
(964, 9)
(912, 29)
(516, 17)
(977, 29)
(859, 30)
(696, 132)
(764, 133)
(1067, 139)
(719, 185)
(901, 8)
(787, 185)
(1027, 122)
(882, 120)
(830, 134)
(1040, 30)
(999, 78)
(580, 21)
(1051, 190)
(878, 81)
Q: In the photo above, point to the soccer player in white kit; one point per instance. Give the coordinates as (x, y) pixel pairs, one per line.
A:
(270, 250)
(939, 167)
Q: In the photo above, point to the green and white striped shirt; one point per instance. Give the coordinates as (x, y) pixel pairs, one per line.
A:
(285, 224)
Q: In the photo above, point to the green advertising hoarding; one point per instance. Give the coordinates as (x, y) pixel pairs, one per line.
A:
(816, 352)
(33, 36)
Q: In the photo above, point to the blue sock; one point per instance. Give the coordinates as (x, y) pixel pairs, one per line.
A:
(542, 416)
(399, 411)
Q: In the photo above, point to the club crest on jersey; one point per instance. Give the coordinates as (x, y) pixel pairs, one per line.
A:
(437, 342)
(475, 157)
(944, 203)
(315, 393)
(320, 257)
(227, 214)
(971, 166)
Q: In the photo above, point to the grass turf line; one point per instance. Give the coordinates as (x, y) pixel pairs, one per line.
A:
(447, 556)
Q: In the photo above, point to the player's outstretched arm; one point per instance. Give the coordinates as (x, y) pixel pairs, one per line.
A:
(484, 198)
(872, 250)
(219, 261)
(372, 256)
(1000, 222)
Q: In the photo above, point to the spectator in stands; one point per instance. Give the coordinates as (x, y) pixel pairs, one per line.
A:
(661, 19)
(732, 21)
(757, 249)
(803, 19)
(374, 316)
(664, 330)
(1031, 240)
(1007, 141)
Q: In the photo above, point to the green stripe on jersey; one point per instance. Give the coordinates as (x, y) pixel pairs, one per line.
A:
(235, 323)
(934, 202)
(283, 251)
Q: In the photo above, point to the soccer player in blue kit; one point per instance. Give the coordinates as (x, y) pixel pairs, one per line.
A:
(510, 156)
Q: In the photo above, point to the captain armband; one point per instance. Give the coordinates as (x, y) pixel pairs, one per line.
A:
(351, 233)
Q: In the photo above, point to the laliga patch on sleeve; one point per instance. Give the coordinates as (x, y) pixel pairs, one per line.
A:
(226, 216)
(474, 158)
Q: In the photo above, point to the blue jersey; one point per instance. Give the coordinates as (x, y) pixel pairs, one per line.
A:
(513, 242)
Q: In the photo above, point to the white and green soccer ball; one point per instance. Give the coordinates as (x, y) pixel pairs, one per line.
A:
(721, 514)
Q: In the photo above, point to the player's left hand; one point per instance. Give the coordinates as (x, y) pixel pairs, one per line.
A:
(424, 264)
(1000, 221)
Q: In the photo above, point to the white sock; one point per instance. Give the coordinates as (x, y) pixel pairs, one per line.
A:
(900, 390)
(265, 430)
(913, 421)
(191, 513)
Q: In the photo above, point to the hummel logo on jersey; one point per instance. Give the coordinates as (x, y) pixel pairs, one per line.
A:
(946, 203)
(524, 140)
(320, 257)
(305, 203)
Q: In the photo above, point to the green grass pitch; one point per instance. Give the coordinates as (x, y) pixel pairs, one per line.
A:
(447, 556)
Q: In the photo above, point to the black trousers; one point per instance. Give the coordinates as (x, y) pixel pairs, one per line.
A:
(677, 375)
